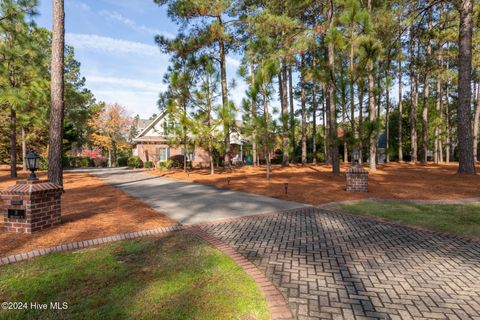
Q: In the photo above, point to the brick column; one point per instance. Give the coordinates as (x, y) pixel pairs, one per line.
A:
(357, 179)
(31, 206)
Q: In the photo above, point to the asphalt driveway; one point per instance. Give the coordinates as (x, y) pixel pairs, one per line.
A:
(190, 203)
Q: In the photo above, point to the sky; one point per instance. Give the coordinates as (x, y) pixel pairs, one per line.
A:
(114, 42)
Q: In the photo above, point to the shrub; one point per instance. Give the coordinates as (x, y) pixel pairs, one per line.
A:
(165, 164)
(148, 164)
(65, 161)
(43, 163)
(122, 161)
(134, 162)
(177, 161)
(80, 162)
(92, 153)
(100, 162)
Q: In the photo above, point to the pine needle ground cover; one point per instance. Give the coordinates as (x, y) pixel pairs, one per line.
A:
(315, 184)
(90, 209)
(172, 277)
(458, 219)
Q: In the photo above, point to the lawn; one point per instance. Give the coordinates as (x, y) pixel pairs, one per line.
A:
(458, 219)
(315, 184)
(172, 277)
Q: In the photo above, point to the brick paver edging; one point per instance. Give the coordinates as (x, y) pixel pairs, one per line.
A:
(86, 243)
(275, 300)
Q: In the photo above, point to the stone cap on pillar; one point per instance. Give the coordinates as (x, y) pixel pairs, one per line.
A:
(356, 170)
(31, 186)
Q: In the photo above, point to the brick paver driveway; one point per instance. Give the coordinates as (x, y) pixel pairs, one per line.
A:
(333, 266)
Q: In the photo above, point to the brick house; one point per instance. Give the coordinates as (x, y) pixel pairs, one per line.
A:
(152, 144)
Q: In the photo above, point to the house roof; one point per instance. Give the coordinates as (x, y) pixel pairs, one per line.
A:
(150, 125)
(143, 123)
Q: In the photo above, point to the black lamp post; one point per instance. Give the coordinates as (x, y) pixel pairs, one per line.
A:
(33, 161)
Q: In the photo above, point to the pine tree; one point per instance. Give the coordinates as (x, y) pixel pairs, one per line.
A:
(211, 31)
(21, 62)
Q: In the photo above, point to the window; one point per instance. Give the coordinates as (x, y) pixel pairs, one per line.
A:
(163, 154)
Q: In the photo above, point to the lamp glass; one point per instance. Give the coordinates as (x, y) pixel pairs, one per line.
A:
(32, 161)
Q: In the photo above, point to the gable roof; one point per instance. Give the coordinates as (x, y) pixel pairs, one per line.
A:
(151, 124)
(143, 123)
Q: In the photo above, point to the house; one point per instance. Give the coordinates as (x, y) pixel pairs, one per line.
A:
(382, 148)
(153, 143)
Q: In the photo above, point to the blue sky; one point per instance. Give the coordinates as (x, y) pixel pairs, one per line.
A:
(114, 41)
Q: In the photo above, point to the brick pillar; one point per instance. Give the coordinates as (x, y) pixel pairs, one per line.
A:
(31, 206)
(357, 179)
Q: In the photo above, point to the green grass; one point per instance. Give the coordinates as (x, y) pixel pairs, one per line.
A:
(173, 277)
(458, 219)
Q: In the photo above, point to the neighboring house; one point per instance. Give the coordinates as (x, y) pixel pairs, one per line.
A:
(152, 144)
(382, 148)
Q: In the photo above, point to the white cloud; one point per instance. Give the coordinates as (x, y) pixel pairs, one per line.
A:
(232, 62)
(138, 96)
(111, 45)
(118, 82)
(81, 5)
(115, 16)
(238, 92)
(142, 103)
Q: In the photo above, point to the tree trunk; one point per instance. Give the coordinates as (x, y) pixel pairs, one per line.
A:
(282, 83)
(371, 101)
(475, 125)
(209, 123)
(344, 123)
(413, 97)
(325, 130)
(387, 120)
(292, 114)
(185, 142)
(400, 111)
(55, 170)
(360, 122)
(114, 148)
(13, 143)
(352, 85)
(314, 124)
(254, 116)
(304, 116)
(24, 149)
(426, 96)
(266, 135)
(438, 109)
(210, 156)
(465, 142)
(223, 77)
(448, 128)
(372, 118)
(331, 97)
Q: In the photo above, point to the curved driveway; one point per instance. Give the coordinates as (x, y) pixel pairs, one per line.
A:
(190, 203)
